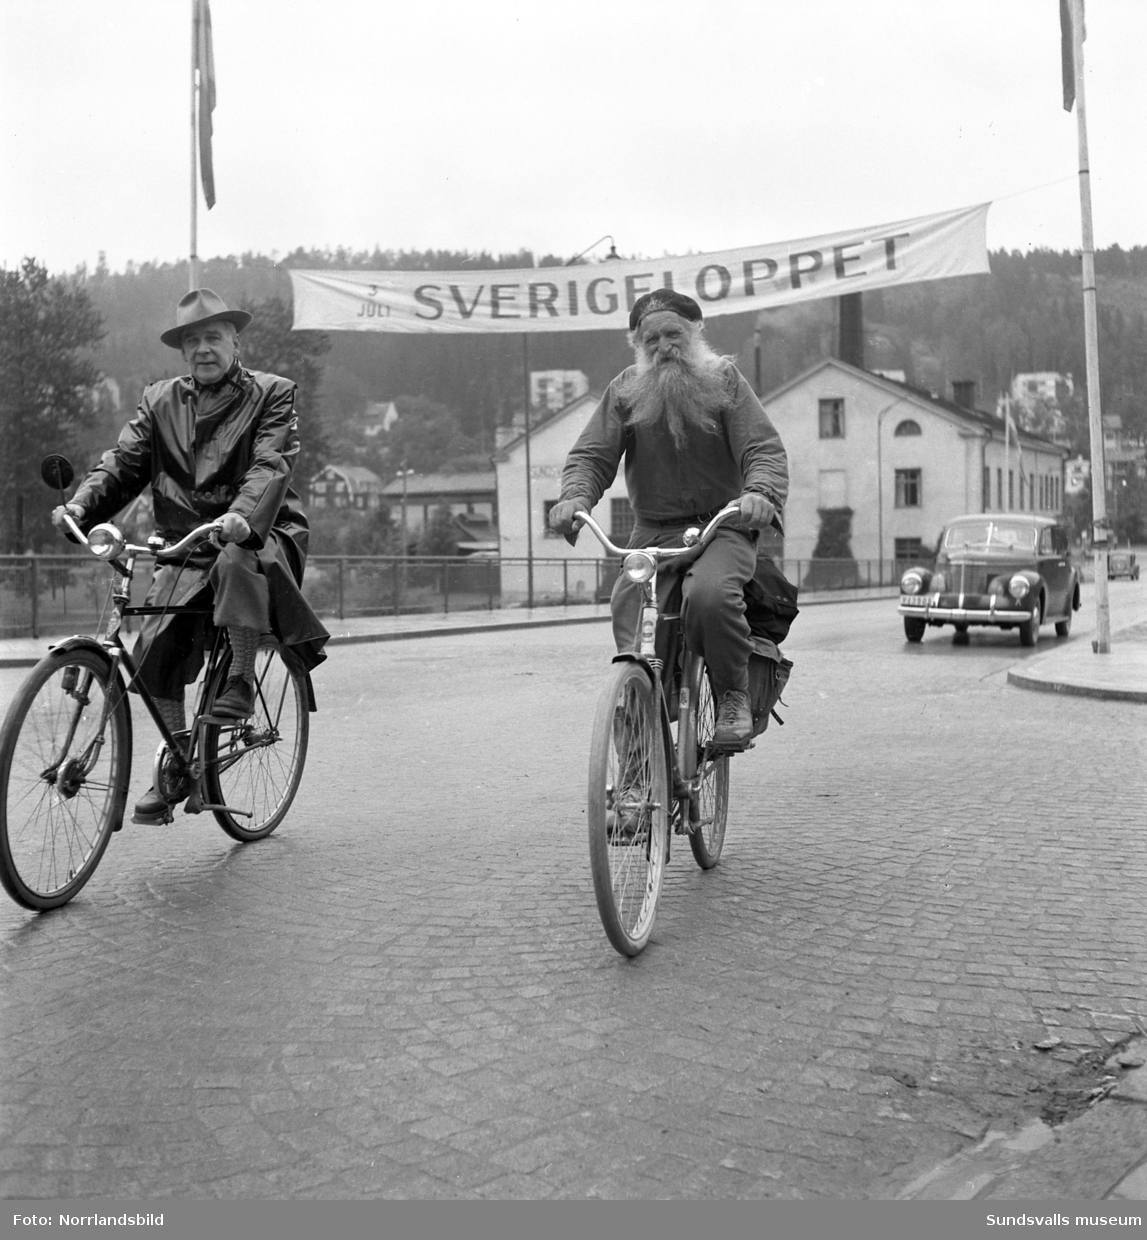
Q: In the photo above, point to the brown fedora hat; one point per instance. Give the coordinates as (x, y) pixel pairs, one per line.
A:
(200, 306)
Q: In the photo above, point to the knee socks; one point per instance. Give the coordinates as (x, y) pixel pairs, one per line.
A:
(244, 644)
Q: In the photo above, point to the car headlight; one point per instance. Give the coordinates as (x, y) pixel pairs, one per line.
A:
(1019, 587)
(105, 541)
(912, 582)
(639, 566)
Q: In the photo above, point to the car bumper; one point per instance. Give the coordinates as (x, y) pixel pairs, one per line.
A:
(937, 609)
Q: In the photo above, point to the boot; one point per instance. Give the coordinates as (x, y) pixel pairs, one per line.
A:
(153, 808)
(734, 727)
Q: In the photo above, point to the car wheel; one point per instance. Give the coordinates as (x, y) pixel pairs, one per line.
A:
(914, 629)
(1063, 627)
(1029, 630)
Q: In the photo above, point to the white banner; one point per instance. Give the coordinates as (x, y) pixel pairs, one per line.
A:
(600, 295)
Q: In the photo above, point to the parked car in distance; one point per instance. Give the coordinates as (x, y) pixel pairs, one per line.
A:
(1009, 570)
(1123, 564)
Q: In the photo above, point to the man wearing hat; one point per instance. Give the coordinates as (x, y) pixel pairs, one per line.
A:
(217, 443)
(693, 436)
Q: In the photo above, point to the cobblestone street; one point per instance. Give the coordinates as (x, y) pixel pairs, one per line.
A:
(405, 992)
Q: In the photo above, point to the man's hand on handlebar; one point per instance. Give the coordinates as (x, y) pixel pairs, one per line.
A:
(233, 528)
(72, 510)
(757, 513)
(562, 518)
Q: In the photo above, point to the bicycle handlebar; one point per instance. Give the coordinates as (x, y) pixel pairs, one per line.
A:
(699, 537)
(160, 554)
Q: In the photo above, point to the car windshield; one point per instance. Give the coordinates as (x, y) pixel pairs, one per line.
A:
(990, 535)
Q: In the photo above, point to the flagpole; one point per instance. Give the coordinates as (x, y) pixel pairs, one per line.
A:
(1102, 642)
(193, 264)
(1007, 504)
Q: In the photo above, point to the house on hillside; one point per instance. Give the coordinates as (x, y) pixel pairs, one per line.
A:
(900, 460)
(345, 486)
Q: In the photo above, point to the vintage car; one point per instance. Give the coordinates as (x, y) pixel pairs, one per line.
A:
(1123, 564)
(1005, 570)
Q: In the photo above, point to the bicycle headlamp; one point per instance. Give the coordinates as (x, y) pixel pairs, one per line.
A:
(639, 566)
(105, 541)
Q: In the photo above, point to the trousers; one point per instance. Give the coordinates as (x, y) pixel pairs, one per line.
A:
(170, 649)
(712, 600)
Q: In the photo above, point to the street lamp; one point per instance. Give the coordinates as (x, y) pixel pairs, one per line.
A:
(612, 250)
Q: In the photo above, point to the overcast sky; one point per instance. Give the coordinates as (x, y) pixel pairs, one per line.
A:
(672, 125)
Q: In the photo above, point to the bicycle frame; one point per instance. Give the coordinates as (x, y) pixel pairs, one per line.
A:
(125, 669)
(643, 565)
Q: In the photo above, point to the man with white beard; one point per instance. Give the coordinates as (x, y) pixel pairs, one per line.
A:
(694, 437)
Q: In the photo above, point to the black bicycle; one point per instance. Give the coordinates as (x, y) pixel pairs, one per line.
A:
(66, 740)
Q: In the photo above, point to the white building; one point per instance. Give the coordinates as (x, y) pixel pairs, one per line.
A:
(904, 461)
(554, 389)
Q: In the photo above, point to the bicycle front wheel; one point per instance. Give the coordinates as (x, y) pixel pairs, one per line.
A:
(709, 804)
(63, 782)
(252, 767)
(628, 808)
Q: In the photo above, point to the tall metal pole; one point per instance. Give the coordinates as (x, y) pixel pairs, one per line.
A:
(1102, 642)
(529, 488)
(193, 263)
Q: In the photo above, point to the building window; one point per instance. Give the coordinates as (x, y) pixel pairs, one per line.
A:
(908, 427)
(1011, 489)
(986, 488)
(908, 550)
(999, 490)
(908, 488)
(621, 521)
(831, 414)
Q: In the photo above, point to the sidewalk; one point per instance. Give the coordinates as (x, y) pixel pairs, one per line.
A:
(1100, 1155)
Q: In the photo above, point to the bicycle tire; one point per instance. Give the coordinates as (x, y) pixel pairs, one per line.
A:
(56, 817)
(628, 807)
(709, 810)
(252, 767)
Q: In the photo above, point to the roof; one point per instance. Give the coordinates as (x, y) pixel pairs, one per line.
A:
(354, 475)
(503, 453)
(977, 418)
(442, 484)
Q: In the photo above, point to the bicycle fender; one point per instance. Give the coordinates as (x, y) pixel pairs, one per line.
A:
(628, 656)
(78, 642)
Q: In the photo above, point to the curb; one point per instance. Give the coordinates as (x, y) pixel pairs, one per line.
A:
(1022, 680)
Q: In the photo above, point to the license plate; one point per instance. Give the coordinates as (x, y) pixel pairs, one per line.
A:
(913, 600)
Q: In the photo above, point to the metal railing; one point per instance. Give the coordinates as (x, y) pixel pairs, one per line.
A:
(54, 594)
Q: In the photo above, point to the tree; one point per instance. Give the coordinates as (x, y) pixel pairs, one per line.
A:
(46, 390)
(426, 437)
(269, 344)
(440, 537)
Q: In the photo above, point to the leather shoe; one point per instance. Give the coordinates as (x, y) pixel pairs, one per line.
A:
(237, 700)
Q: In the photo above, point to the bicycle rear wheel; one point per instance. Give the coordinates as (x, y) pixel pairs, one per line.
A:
(252, 767)
(62, 790)
(628, 807)
(709, 808)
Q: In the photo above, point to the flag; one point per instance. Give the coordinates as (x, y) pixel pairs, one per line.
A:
(205, 68)
(1067, 15)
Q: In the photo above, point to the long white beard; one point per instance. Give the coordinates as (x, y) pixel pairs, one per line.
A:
(683, 392)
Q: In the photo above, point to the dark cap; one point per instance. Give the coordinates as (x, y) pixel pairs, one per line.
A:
(664, 299)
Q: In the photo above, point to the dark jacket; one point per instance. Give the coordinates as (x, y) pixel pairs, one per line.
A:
(204, 452)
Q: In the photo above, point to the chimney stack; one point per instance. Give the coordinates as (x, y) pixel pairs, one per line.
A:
(850, 330)
(964, 393)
